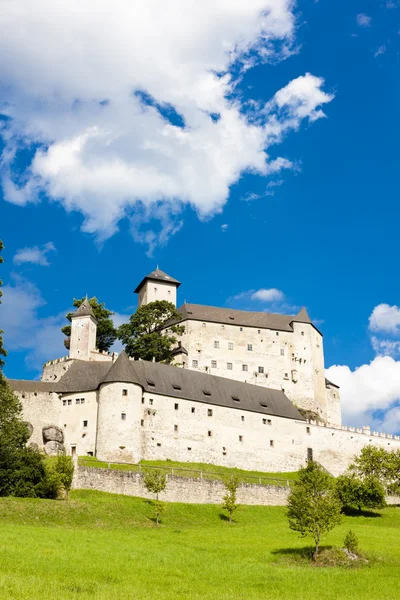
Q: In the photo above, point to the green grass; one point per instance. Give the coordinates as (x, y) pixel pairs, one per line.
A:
(192, 470)
(106, 547)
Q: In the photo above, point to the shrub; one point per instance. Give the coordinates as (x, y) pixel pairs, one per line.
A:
(351, 542)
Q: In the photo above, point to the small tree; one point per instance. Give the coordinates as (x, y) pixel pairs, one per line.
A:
(106, 332)
(64, 470)
(313, 507)
(230, 499)
(351, 543)
(352, 491)
(156, 482)
(151, 332)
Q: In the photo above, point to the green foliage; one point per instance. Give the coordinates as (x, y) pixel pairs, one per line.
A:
(3, 351)
(230, 504)
(380, 464)
(151, 332)
(156, 482)
(313, 507)
(106, 332)
(351, 542)
(356, 492)
(63, 470)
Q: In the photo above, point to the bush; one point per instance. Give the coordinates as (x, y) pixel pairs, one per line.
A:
(351, 542)
(357, 492)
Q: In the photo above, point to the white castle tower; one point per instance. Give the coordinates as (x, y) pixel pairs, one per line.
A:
(83, 332)
(157, 286)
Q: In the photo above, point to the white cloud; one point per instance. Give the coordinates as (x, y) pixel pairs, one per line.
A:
(36, 255)
(385, 318)
(369, 388)
(385, 347)
(25, 330)
(92, 84)
(224, 226)
(380, 50)
(363, 20)
(268, 295)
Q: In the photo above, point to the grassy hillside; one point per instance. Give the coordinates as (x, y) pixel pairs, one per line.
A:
(187, 469)
(105, 547)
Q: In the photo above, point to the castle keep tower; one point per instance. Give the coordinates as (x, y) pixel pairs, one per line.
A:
(83, 332)
(157, 286)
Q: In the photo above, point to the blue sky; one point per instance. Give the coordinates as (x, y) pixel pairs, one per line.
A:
(120, 156)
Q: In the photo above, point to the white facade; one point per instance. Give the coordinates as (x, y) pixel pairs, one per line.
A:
(157, 290)
(83, 337)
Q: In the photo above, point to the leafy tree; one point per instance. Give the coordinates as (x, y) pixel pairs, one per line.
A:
(64, 471)
(156, 482)
(230, 499)
(106, 332)
(151, 332)
(3, 351)
(355, 492)
(380, 464)
(313, 508)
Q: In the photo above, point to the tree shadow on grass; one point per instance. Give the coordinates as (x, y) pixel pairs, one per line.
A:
(226, 518)
(354, 512)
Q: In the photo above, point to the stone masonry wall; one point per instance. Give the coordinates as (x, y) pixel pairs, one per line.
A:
(179, 489)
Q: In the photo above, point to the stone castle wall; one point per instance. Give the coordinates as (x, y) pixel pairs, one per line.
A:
(179, 489)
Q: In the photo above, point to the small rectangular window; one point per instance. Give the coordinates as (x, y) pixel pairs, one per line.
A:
(124, 392)
(175, 427)
(176, 406)
(78, 401)
(158, 445)
(123, 416)
(142, 422)
(189, 448)
(302, 333)
(209, 433)
(64, 402)
(250, 347)
(240, 438)
(261, 369)
(271, 443)
(85, 423)
(269, 422)
(82, 400)
(282, 351)
(309, 454)
(213, 364)
(286, 375)
(195, 363)
(69, 402)
(308, 430)
(193, 409)
(264, 421)
(230, 346)
(209, 412)
(276, 332)
(245, 368)
(240, 328)
(142, 400)
(229, 366)
(151, 401)
(258, 330)
(216, 344)
(242, 417)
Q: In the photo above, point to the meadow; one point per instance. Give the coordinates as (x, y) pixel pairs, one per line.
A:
(106, 547)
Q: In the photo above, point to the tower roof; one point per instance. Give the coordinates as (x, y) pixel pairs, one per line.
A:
(122, 370)
(84, 310)
(157, 275)
(302, 316)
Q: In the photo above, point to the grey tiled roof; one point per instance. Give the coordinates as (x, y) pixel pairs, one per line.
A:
(24, 385)
(84, 310)
(157, 275)
(262, 320)
(175, 382)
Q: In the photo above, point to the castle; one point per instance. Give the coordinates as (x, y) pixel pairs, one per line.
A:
(247, 390)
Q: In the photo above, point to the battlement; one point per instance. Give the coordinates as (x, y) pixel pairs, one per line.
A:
(362, 430)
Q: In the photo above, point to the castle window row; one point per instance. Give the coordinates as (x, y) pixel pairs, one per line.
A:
(68, 402)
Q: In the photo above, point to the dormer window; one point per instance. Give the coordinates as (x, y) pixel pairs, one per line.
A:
(206, 393)
(235, 399)
(176, 386)
(151, 383)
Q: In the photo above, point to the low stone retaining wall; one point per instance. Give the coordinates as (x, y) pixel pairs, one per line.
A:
(179, 489)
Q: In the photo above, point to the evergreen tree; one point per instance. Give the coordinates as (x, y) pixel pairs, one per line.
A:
(313, 508)
(106, 332)
(151, 332)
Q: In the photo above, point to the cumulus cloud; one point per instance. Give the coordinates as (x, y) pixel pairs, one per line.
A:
(363, 20)
(385, 318)
(130, 106)
(380, 50)
(24, 328)
(268, 295)
(368, 390)
(36, 255)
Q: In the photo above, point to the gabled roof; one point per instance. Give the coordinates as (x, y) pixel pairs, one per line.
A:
(156, 378)
(157, 275)
(84, 310)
